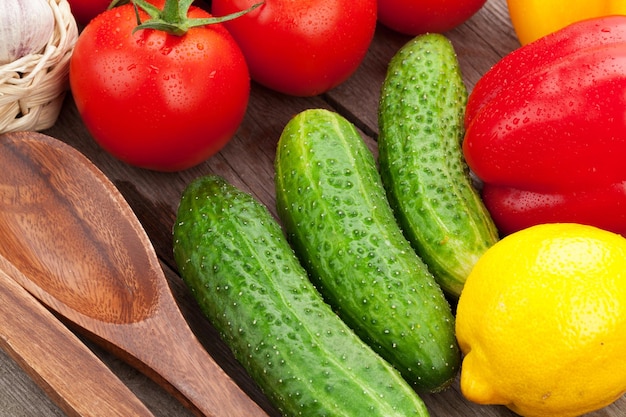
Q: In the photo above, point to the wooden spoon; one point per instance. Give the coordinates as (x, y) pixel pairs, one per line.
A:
(58, 361)
(87, 257)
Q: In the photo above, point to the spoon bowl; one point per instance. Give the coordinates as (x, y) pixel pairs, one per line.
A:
(84, 254)
(64, 368)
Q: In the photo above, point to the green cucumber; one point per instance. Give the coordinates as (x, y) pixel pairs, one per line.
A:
(235, 259)
(333, 206)
(421, 111)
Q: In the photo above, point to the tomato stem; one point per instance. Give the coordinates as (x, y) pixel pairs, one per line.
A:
(173, 18)
(116, 3)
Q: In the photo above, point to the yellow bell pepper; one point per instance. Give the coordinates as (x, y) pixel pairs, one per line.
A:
(533, 19)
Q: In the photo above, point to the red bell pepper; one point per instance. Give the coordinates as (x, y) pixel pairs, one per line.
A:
(546, 129)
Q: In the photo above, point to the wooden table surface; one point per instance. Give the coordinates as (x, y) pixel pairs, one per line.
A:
(247, 162)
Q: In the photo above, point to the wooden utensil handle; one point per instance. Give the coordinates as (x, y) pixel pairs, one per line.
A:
(67, 371)
(189, 372)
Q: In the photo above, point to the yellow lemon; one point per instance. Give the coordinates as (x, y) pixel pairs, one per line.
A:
(542, 322)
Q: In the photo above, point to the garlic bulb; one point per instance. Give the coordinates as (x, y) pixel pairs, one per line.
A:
(25, 28)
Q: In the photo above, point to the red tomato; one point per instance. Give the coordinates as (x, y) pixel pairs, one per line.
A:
(305, 47)
(85, 10)
(414, 17)
(157, 100)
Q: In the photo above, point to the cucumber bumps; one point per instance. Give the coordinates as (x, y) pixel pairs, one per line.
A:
(332, 203)
(421, 113)
(233, 256)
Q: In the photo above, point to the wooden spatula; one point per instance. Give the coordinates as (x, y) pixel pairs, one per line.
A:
(67, 371)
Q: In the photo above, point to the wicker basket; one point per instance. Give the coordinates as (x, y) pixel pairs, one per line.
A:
(32, 88)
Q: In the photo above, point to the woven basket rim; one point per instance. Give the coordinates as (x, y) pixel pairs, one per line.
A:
(32, 88)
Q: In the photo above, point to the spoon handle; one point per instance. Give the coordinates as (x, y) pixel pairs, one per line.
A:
(189, 372)
(67, 371)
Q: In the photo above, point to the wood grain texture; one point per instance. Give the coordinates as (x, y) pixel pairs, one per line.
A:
(247, 162)
(84, 254)
(61, 365)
